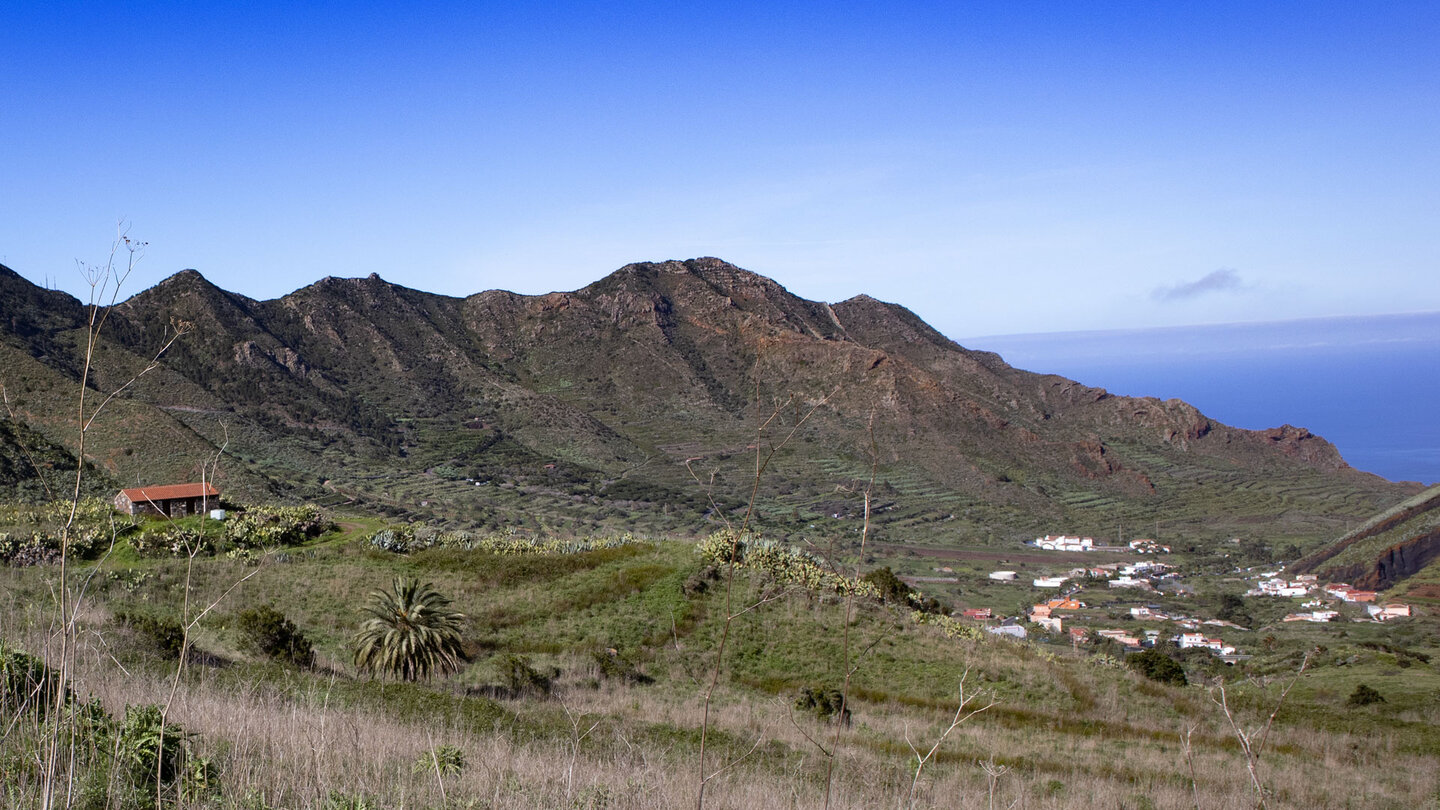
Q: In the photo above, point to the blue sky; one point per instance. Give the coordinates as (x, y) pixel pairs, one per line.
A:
(999, 168)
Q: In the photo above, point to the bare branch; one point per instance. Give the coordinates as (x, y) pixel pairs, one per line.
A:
(963, 712)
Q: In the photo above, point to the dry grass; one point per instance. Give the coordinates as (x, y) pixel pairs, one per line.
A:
(291, 745)
(1067, 734)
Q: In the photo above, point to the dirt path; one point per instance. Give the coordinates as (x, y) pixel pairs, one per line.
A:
(1001, 555)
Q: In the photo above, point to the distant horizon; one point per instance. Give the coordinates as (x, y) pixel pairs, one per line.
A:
(1176, 328)
(1366, 383)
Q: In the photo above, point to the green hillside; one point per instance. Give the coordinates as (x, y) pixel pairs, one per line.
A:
(587, 674)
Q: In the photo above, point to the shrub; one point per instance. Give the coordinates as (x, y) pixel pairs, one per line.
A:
(171, 539)
(791, 566)
(267, 526)
(406, 538)
(166, 635)
(266, 631)
(447, 759)
(520, 678)
(825, 704)
(611, 663)
(891, 587)
(146, 747)
(1364, 695)
(1158, 666)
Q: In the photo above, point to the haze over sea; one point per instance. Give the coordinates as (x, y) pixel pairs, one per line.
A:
(1368, 384)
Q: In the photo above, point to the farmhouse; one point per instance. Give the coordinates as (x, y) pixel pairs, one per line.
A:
(173, 500)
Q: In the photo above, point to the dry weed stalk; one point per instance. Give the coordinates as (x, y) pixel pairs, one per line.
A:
(963, 712)
(105, 282)
(849, 615)
(1189, 751)
(1249, 746)
(577, 719)
(762, 463)
(993, 773)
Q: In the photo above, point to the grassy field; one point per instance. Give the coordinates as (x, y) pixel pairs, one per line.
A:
(629, 638)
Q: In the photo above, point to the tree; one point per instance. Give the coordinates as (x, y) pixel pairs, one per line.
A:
(1231, 608)
(891, 587)
(411, 633)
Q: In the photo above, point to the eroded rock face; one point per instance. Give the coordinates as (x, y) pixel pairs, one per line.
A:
(1297, 442)
(1396, 563)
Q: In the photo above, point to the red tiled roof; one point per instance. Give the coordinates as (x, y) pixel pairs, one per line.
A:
(170, 492)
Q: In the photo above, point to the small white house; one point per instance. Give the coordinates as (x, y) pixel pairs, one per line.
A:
(1003, 576)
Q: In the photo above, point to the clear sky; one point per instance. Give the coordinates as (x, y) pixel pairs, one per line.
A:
(997, 167)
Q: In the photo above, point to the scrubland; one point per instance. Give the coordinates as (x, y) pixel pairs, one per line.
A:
(623, 641)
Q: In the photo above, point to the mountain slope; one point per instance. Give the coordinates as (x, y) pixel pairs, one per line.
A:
(1388, 548)
(638, 400)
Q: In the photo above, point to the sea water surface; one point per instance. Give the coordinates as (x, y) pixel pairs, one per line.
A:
(1370, 385)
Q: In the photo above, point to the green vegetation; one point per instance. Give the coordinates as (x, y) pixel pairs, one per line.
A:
(410, 634)
(591, 657)
(1364, 695)
(1157, 666)
(266, 631)
(165, 634)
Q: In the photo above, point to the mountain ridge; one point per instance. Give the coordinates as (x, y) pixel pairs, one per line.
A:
(659, 368)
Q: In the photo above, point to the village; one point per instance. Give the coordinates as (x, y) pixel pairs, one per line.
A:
(1303, 585)
(1068, 619)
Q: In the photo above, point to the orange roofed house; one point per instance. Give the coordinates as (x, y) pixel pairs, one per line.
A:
(174, 500)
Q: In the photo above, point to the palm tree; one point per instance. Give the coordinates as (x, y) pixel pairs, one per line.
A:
(410, 634)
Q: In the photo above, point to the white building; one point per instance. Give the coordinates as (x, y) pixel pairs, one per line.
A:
(1060, 542)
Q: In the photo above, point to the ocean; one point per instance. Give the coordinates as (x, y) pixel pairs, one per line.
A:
(1370, 385)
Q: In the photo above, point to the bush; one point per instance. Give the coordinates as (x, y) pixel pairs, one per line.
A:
(268, 526)
(172, 539)
(446, 759)
(146, 747)
(1364, 695)
(407, 538)
(825, 704)
(266, 630)
(891, 587)
(520, 678)
(166, 635)
(612, 664)
(1158, 666)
